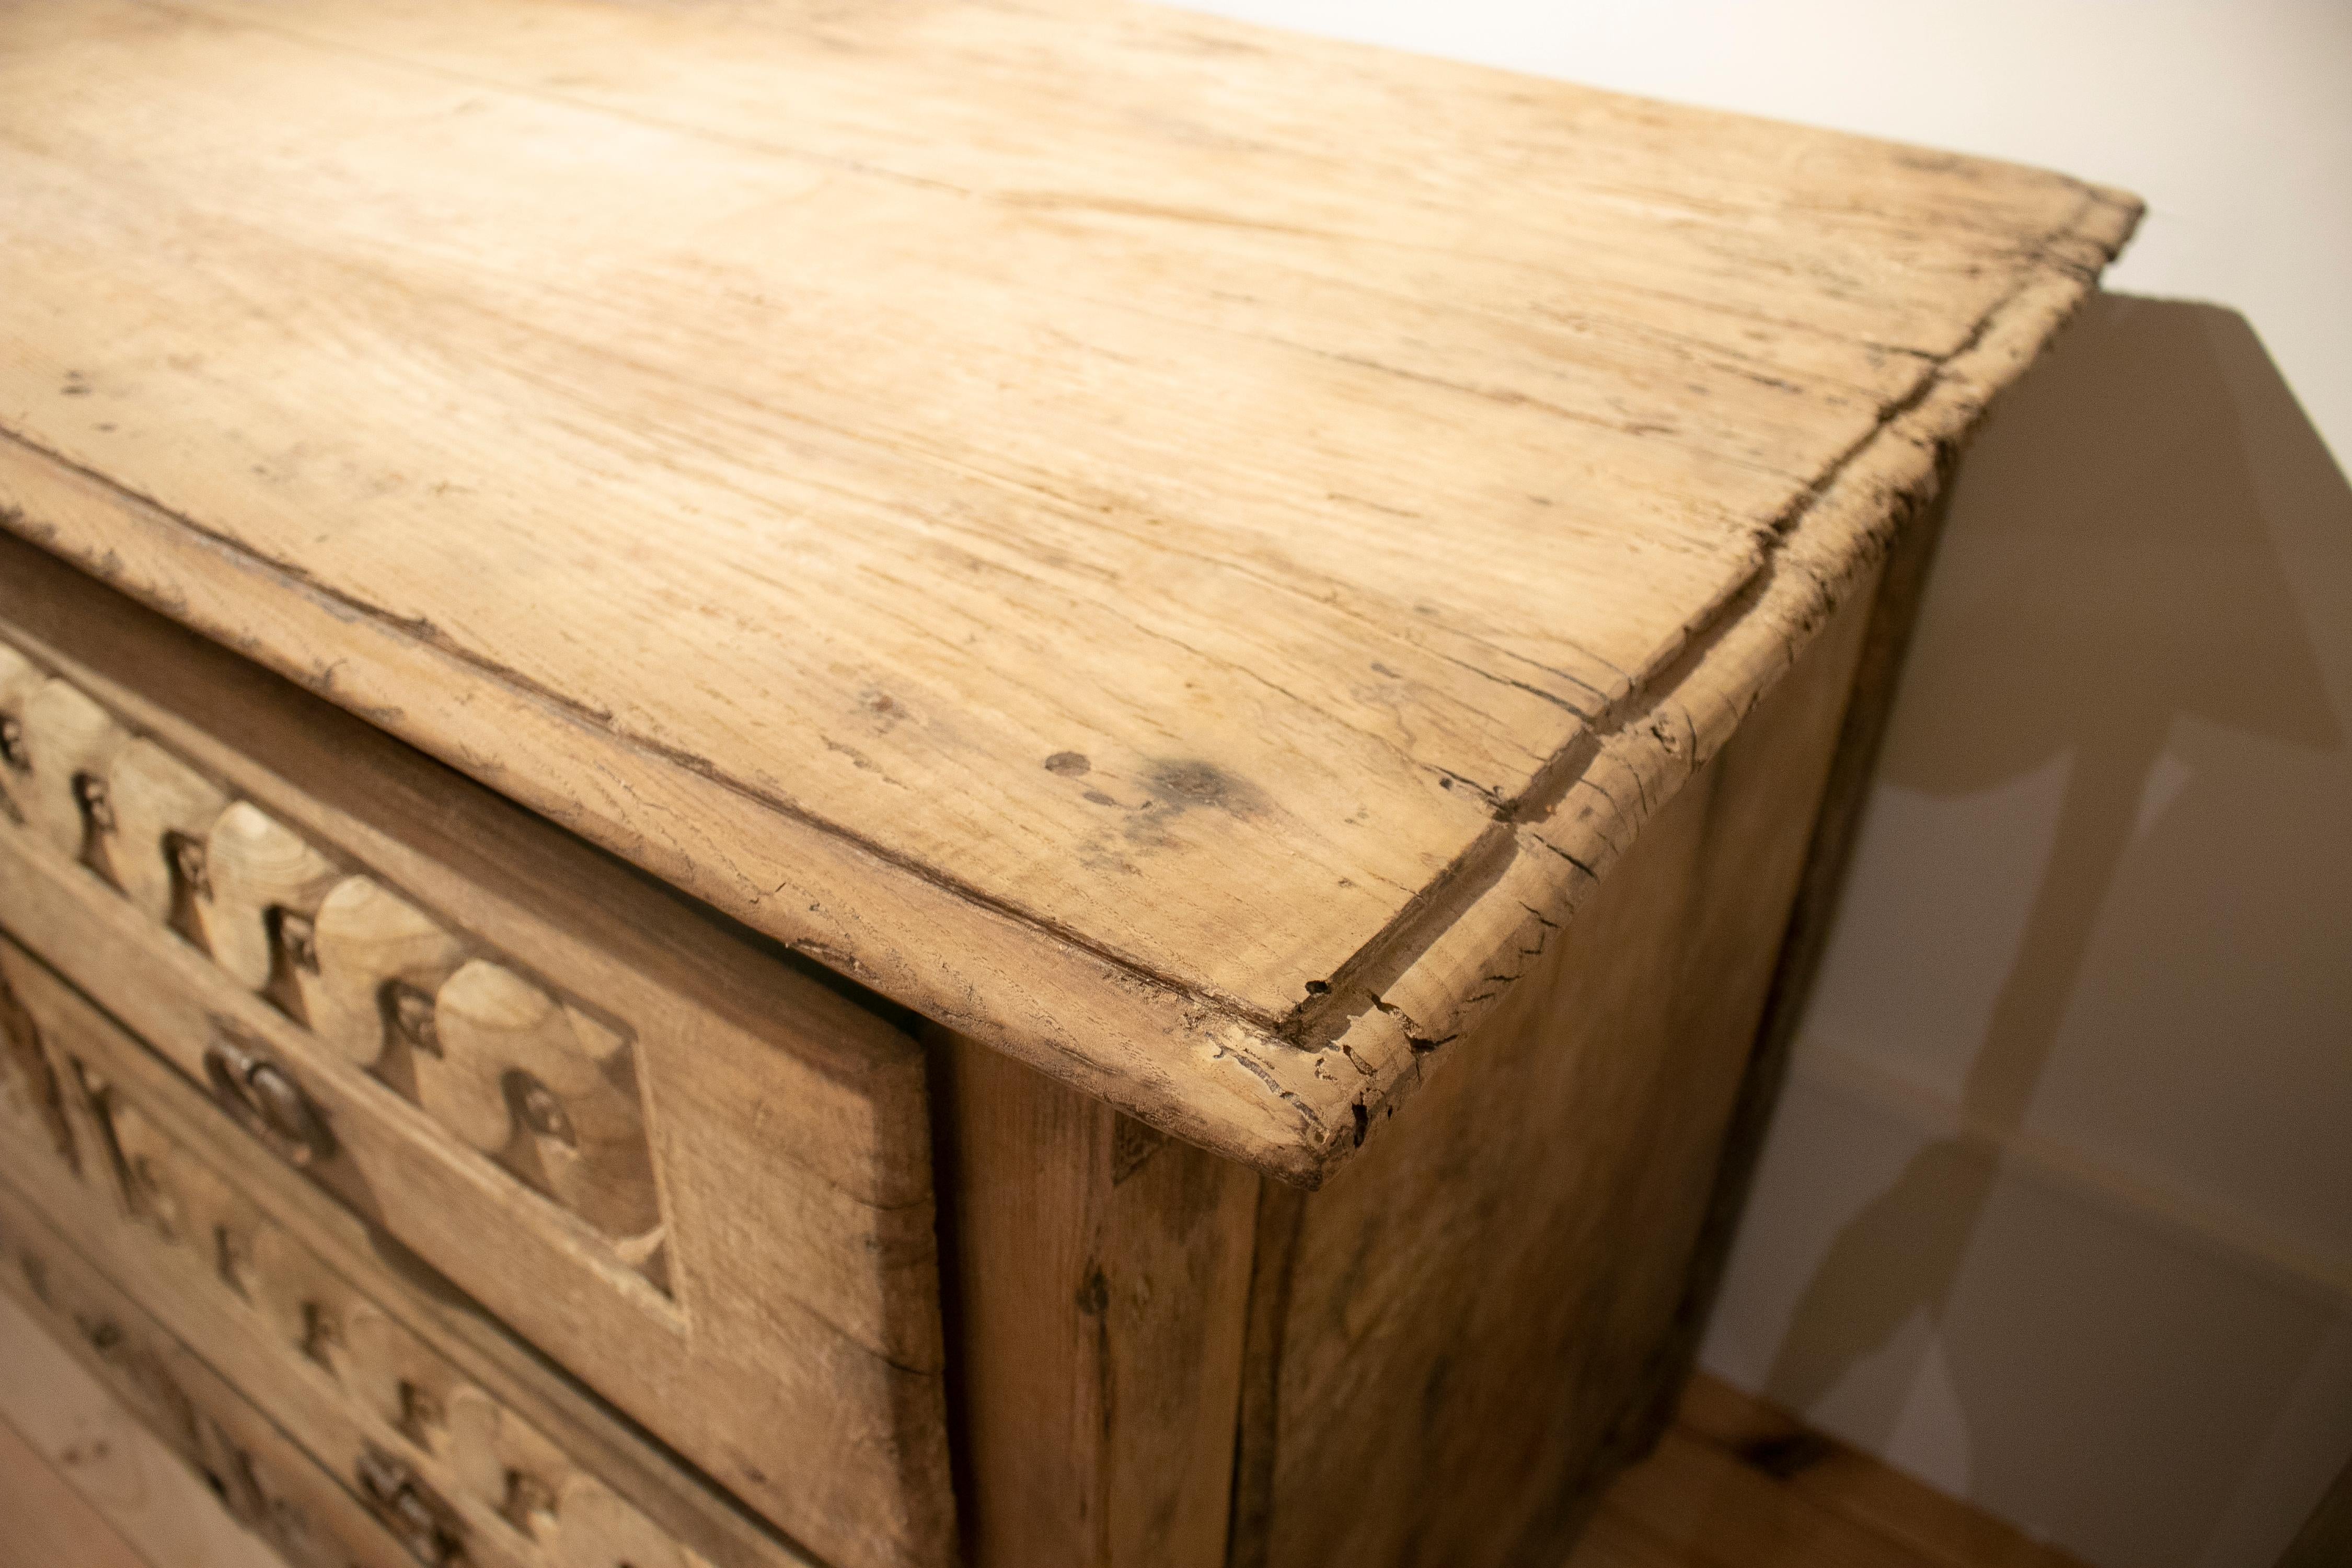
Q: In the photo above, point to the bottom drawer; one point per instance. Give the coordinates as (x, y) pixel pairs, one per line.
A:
(265, 1481)
(365, 1362)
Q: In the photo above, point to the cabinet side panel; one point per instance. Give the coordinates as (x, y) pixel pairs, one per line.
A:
(1101, 1275)
(1893, 611)
(1471, 1318)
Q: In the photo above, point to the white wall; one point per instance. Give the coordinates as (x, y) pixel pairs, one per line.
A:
(2230, 117)
(2057, 1211)
(2058, 1208)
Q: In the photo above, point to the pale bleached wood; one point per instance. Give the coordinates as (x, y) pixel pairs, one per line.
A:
(72, 742)
(792, 1280)
(783, 1384)
(1894, 606)
(1101, 1283)
(262, 873)
(164, 813)
(518, 1070)
(56, 1415)
(1511, 1259)
(1196, 503)
(50, 1525)
(382, 960)
(30, 1088)
(396, 1165)
(321, 1350)
(503, 1461)
(1564, 845)
(254, 1475)
(20, 677)
(597, 1529)
(464, 1341)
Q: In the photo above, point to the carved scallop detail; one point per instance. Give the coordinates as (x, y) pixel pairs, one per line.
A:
(381, 961)
(431, 1427)
(535, 1081)
(70, 743)
(523, 1076)
(164, 812)
(19, 680)
(267, 885)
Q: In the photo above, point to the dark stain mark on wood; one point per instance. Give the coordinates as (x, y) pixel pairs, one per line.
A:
(1182, 785)
(1094, 1296)
(1783, 1456)
(1133, 1143)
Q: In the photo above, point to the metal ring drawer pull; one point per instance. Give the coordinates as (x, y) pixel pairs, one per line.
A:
(260, 1093)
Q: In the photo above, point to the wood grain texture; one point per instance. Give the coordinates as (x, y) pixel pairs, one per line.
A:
(1893, 608)
(1811, 1468)
(51, 1525)
(1103, 1274)
(1507, 1270)
(785, 1337)
(1158, 544)
(349, 1346)
(255, 1474)
(1737, 1483)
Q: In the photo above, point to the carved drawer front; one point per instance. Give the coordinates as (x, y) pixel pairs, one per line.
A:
(346, 1353)
(262, 1478)
(678, 1160)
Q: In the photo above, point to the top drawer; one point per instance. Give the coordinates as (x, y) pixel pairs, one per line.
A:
(664, 1152)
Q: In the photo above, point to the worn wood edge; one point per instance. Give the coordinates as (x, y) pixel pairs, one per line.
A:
(1293, 1098)
(387, 809)
(1638, 757)
(1228, 1084)
(1860, 735)
(855, 1217)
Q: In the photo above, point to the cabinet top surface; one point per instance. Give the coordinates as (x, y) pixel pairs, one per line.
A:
(1147, 538)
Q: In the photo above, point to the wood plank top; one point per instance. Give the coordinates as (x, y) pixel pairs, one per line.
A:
(1178, 549)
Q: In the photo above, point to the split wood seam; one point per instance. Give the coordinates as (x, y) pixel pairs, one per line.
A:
(1292, 1096)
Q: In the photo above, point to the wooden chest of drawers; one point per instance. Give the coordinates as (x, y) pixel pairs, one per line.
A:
(651, 1145)
(865, 786)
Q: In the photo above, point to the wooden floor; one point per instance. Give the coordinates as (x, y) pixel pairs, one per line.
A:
(1739, 1485)
(1735, 1485)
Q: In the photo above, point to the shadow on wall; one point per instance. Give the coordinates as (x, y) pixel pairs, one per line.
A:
(2113, 596)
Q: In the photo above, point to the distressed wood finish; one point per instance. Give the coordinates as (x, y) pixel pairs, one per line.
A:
(331, 1353)
(1893, 610)
(1102, 1273)
(1508, 1268)
(699, 1178)
(1296, 605)
(1173, 551)
(264, 1480)
(53, 1526)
